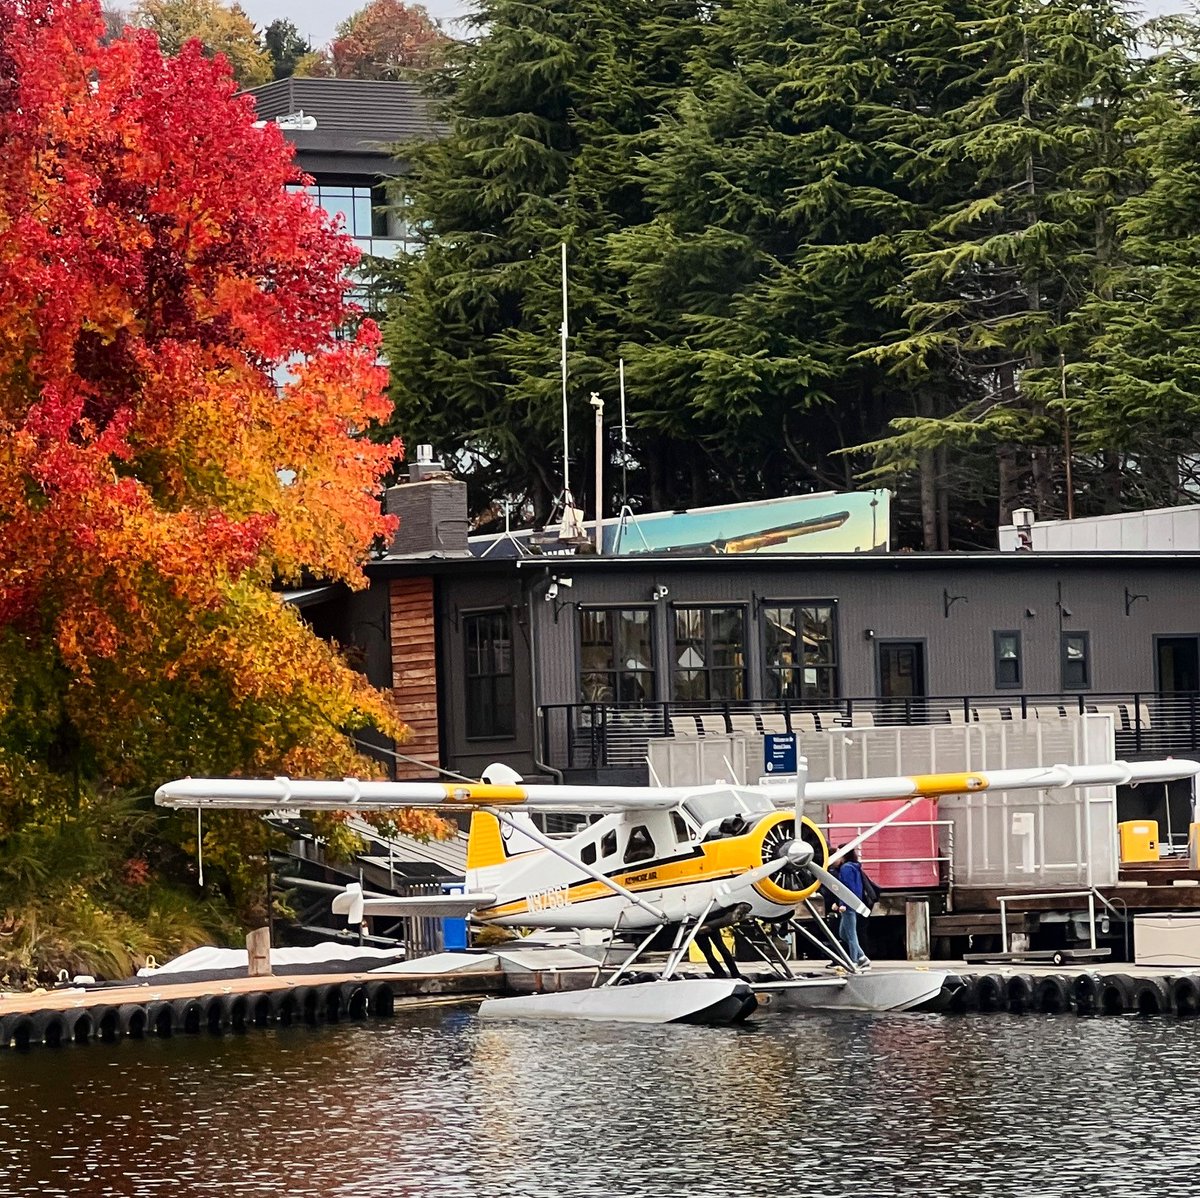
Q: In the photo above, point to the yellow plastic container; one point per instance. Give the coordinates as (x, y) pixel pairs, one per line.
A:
(1139, 840)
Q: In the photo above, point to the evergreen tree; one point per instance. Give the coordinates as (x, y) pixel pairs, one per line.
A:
(286, 46)
(1132, 386)
(785, 190)
(547, 113)
(993, 281)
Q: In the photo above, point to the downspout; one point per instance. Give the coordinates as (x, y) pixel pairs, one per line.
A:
(538, 747)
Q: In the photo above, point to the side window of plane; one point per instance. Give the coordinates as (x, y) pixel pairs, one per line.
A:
(608, 844)
(682, 835)
(640, 846)
(587, 854)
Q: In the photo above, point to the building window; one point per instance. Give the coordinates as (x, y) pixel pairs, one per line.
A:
(616, 655)
(1006, 648)
(1076, 661)
(489, 675)
(800, 652)
(377, 226)
(710, 653)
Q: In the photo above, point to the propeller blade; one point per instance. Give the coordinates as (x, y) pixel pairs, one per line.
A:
(801, 786)
(836, 888)
(761, 872)
(350, 904)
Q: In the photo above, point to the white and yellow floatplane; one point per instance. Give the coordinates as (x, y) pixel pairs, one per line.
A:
(659, 864)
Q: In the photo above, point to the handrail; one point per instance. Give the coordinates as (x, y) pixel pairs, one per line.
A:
(602, 734)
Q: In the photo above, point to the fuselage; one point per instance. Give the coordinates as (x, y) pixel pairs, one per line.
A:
(676, 861)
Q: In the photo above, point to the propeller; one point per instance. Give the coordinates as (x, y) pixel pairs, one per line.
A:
(793, 858)
(350, 904)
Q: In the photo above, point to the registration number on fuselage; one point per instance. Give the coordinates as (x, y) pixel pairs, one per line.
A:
(549, 899)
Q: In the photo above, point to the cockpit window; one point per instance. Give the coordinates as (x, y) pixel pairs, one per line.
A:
(640, 846)
(709, 805)
(682, 835)
(608, 844)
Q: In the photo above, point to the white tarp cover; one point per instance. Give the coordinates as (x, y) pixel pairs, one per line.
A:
(204, 960)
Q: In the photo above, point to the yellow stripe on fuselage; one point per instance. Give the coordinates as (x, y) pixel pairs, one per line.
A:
(720, 859)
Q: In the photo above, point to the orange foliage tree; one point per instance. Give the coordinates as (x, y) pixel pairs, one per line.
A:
(157, 280)
(383, 40)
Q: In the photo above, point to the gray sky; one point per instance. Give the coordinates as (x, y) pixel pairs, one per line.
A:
(316, 19)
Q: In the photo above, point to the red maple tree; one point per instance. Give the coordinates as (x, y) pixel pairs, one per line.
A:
(157, 281)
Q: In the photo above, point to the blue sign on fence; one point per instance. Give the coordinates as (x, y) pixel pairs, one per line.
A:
(779, 752)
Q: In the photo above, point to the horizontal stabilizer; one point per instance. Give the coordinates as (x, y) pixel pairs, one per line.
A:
(436, 906)
(354, 905)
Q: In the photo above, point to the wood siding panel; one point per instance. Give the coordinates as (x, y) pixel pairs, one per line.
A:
(414, 670)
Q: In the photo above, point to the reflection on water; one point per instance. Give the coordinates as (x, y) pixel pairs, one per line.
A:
(436, 1103)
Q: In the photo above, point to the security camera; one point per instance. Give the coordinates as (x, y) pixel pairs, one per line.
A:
(565, 582)
(660, 592)
(551, 592)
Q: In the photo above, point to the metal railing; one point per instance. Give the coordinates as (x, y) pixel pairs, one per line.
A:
(614, 735)
(1091, 895)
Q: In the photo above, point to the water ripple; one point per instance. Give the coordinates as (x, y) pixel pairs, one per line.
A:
(438, 1103)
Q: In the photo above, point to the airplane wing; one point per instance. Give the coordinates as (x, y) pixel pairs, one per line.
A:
(351, 794)
(1046, 777)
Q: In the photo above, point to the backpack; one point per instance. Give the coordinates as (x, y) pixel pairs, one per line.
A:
(870, 895)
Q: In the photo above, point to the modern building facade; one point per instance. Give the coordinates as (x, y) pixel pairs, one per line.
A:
(346, 133)
(561, 664)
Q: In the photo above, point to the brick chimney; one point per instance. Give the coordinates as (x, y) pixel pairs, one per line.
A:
(432, 507)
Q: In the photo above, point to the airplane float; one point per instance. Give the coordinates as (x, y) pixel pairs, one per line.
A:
(660, 864)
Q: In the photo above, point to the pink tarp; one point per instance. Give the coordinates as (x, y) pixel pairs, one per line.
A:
(900, 856)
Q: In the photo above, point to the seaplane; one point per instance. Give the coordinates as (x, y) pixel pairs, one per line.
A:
(663, 866)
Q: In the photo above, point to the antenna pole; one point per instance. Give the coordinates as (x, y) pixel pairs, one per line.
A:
(624, 439)
(563, 355)
(1062, 366)
(598, 404)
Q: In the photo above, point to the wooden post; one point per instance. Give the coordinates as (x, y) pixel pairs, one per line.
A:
(916, 929)
(258, 952)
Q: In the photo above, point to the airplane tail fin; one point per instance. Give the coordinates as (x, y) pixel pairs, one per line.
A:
(490, 843)
(485, 842)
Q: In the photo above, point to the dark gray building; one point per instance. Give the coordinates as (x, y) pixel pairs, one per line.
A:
(568, 663)
(346, 132)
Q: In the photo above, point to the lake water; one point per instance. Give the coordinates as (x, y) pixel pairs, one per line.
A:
(436, 1103)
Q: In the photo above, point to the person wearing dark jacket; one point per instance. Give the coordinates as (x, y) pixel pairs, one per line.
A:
(851, 876)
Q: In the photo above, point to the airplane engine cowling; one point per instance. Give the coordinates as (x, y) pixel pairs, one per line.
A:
(789, 886)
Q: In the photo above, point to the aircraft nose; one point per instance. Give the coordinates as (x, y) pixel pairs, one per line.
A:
(798, 853)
